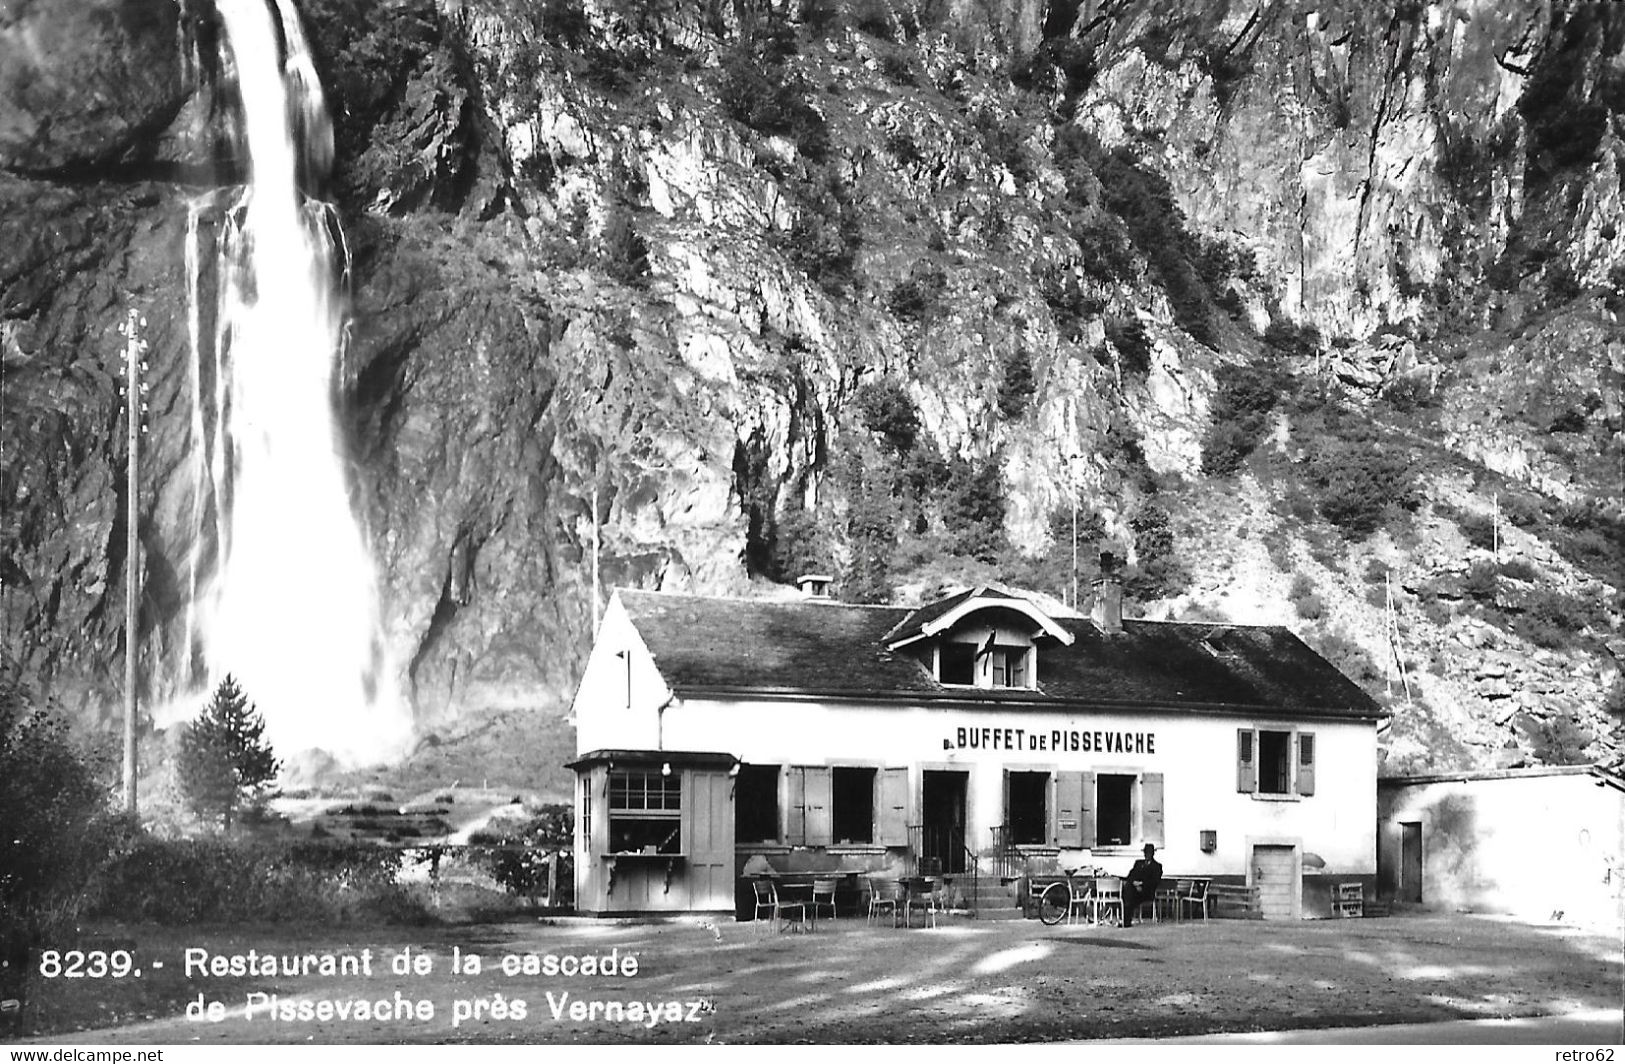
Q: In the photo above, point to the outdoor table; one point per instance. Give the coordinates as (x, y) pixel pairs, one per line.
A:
(797, 887)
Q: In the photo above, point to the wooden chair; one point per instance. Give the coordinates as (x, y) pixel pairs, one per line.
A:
(883, 896)
(1108, 899)
(823, 893)
(1192, 892)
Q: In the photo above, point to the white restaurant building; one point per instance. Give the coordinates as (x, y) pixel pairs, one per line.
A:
(977, 733)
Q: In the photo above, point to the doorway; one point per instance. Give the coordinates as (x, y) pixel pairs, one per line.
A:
(1410, 861)
(942, 815)
(1276, 873)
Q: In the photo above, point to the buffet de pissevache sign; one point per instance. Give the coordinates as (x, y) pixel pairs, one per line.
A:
(1055, 739)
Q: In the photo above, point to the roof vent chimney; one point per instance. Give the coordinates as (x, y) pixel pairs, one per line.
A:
(814, 585)
(1107, 612)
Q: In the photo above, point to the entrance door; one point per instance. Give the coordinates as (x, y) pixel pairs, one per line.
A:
(1410, 862)
(942, 815)
(1275, 874)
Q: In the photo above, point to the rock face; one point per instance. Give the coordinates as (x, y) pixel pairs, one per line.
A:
(634, 267)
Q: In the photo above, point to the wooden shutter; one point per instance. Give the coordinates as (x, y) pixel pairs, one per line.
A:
(893, 807)
(1069, 810)
(1246, 761)
(816, 795)
(1086, 809)
(1151, 808)
(1306, 762)
(795, 807)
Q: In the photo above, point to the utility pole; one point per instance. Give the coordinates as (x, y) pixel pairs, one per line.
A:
(1072, 479)
(595, 597)
(134, 407)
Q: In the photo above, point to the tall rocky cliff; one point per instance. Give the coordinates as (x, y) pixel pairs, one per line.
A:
(882, 285)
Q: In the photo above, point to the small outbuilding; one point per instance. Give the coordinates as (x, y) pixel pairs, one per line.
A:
(1544, 844)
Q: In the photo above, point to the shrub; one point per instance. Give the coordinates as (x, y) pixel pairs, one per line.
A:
(1518, 569)
(1160, 572)
(523, 855)
(56, 827)
(1357, 480)
(1016, 383)
(1482, 581)
(888, 411)
(973, 509)
(1292, 340)
(1478, 529)
(1239, 419)
(1133, 345)
(184, 881)
(916, 296)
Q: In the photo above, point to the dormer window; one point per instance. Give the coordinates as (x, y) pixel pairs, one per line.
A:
(1010, 666)
(956, 663)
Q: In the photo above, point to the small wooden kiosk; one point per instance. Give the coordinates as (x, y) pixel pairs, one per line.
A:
(655, 832)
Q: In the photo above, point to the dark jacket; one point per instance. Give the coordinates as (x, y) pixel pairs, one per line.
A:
(1146, 872)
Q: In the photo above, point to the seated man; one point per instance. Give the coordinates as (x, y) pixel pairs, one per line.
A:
(1140, 883)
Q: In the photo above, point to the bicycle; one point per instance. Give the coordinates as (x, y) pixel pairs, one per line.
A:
(1056, 901)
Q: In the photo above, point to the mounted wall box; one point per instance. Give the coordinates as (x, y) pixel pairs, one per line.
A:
(1210, 841)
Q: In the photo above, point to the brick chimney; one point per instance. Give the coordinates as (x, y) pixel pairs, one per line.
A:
(1107, 611)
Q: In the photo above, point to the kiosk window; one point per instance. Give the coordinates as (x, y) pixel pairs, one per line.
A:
(645, 812)
(756, 803)
(852, 799)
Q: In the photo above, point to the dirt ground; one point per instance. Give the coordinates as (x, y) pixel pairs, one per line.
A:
(964, 981)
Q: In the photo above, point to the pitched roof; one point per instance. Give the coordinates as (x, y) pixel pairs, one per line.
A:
(744, 647)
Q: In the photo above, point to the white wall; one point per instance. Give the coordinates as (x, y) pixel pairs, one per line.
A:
(607, 717)
(1528, 844)
(1195, 753)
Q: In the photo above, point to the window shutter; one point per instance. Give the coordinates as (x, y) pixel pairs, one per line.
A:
(1306, 762)
(1086, 809)
(795, 807)
(1246, 764)
(1151, 808)
(894, 807)
(819, 824)
(1069, 810)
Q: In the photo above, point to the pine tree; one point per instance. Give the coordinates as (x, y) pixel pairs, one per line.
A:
(225, 761)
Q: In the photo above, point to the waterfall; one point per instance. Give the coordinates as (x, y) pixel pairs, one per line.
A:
(290, 604)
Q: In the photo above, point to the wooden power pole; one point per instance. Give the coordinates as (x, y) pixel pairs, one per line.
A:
(134, 348)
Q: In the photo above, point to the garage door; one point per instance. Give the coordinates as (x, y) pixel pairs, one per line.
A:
(1275, 874)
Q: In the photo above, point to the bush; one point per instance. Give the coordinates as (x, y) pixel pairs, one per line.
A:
(888, 411)
(1016, 383)
(1357, 480)
(523, 854)
(973, 509)
(1133, 345)
(1239, 419)
(1160, 573)
(184, 881)
(56, 825)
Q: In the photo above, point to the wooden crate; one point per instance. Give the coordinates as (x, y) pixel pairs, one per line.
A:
(1234, 902)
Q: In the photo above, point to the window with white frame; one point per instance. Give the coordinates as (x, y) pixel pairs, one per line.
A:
(645, 811)
(1275, 761)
